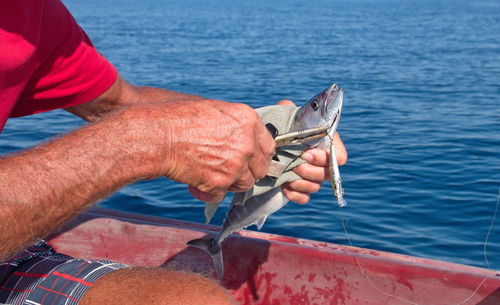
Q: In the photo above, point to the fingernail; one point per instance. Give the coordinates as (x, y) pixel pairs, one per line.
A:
(307, 157)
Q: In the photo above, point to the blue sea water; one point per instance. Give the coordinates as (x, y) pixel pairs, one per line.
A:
(421, 117)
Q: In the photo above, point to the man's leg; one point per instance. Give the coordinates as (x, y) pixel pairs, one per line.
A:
(39, 275)
(155, 286)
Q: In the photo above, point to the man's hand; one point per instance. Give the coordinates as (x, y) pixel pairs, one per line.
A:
(314, 172)
(218, 146)
(212, 146)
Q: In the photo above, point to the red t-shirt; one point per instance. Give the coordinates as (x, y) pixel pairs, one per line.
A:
(46, 60)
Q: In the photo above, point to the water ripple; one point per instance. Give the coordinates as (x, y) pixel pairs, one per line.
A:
(421, 115)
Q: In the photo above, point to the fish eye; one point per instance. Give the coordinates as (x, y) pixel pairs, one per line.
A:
(314, 104)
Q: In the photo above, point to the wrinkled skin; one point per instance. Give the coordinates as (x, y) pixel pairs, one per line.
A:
(213, 146)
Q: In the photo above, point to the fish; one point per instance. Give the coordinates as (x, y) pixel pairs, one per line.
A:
(324, 109)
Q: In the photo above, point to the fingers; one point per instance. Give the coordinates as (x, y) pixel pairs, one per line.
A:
(304, 186)
(316, 157)
(244, 182)
(209, 197)
(300, 191)
(317, 168)
(314, 172)
(259, 162)
(340, 150)
(286, 103)
(295, 196)
(265, 141)
(321, 157)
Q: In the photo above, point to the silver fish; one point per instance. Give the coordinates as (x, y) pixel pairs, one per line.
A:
(323, 109)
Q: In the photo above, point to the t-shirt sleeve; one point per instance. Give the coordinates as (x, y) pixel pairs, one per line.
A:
(68, 69)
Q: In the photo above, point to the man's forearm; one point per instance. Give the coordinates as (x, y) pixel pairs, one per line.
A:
(122, 94)
(42, 188)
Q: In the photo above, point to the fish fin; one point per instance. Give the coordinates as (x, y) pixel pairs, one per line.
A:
(259, 223)
(214, 250)
(210, 209)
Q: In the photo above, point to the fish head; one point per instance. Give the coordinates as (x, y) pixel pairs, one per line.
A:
(324, 109)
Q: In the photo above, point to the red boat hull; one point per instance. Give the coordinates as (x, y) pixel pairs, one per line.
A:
(270, 269)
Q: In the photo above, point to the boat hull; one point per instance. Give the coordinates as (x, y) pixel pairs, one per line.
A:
(271, 269)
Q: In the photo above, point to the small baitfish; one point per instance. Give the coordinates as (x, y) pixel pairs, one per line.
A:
(323, 109)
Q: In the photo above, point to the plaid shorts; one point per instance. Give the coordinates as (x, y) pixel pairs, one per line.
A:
(40, 275)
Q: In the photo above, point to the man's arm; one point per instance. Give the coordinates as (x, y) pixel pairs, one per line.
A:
(122, 93)
(44, 187)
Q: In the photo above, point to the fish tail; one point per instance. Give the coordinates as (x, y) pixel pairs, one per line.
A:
(214, 249)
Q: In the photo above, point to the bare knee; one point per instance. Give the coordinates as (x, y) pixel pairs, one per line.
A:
(156, 286)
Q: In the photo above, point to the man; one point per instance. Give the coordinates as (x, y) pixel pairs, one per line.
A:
(47, 62)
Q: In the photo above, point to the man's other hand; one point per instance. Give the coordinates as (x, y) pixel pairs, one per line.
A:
(315, 171)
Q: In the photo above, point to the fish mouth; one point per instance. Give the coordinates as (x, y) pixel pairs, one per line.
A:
(333, 106)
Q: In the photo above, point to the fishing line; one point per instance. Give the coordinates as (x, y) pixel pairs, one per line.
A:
(485, 247)
(344, 221)
(344, 225)
(485, 252)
